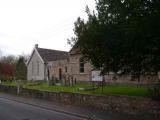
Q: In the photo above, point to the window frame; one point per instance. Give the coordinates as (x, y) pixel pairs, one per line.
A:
(81, 65)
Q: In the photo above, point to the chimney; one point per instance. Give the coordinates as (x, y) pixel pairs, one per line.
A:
(36, 46)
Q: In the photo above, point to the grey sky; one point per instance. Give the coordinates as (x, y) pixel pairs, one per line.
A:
(48, 23)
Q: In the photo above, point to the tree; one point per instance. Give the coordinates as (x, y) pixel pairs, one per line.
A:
(7, 67)
(122, 36)
(21, 69)
(6, 71)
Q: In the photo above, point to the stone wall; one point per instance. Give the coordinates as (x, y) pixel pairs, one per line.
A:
(60, 64)
(135, 106)
(144, 79)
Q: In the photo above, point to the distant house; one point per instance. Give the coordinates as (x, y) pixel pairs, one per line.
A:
(45, 64)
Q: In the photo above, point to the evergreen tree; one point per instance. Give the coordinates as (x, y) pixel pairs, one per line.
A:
(122, 36)
(21, 69)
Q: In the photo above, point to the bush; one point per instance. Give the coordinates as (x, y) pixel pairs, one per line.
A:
(6, 78)
(154, 91)
(51, 82)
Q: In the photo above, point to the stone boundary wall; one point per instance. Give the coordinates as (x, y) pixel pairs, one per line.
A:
(138, 106)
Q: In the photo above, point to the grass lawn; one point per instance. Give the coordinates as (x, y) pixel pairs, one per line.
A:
(9, 83)
(109, 89)
(122, 90)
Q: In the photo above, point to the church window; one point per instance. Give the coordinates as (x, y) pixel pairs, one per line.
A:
(81, 65)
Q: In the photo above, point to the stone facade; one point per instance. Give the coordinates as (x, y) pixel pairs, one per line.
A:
(70, 69)
(74, 66)
(60, 69)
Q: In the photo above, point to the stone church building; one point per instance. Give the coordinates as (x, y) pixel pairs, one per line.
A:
(47, 64)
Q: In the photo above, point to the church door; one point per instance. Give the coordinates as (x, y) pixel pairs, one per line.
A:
(60, 74)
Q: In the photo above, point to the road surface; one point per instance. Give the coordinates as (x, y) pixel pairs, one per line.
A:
(12, 110)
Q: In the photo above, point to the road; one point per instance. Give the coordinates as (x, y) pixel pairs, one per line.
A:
(12, 110)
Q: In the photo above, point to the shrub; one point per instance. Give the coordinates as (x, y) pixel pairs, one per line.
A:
(154, 91)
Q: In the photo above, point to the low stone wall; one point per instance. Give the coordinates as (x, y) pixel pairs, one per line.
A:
(122, 104)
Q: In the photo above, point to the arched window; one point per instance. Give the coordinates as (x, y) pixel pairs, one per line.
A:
(81, 65)
(60, 74)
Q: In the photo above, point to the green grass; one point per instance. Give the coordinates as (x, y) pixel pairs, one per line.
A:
(44, 86)
(109, 89)
(9, 83)
(122, 90)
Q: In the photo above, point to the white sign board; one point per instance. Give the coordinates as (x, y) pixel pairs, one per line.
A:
(96, 76)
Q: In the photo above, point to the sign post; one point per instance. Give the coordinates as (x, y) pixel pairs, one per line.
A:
(96, 77)
(102, 83)
(19, 86)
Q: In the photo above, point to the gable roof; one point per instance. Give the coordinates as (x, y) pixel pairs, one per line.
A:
(52, 55)
(34, 51)
(75, 49)
(47, 55)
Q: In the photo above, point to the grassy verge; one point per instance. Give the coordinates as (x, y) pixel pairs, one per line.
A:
(122, 90)
(9, 83)
(109, 89)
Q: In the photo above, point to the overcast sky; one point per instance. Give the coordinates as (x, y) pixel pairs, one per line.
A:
(24, 23)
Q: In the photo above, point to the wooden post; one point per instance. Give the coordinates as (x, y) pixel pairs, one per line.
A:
(18, 86)
(102, 83)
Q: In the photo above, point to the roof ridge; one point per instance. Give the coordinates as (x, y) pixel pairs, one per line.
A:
(53, 50)
(52, 55)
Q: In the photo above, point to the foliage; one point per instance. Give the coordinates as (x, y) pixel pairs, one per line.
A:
(21, 69)
(6, 71)
(8, 59)
(122, 36)
(7, 67)
(11, 67)
(154, 91)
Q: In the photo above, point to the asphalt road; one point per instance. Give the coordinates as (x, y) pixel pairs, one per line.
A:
(12, 110)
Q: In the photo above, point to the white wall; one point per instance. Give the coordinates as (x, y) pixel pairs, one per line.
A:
(32, 68)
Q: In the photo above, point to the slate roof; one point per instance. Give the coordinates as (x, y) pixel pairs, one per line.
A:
(52, 55)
